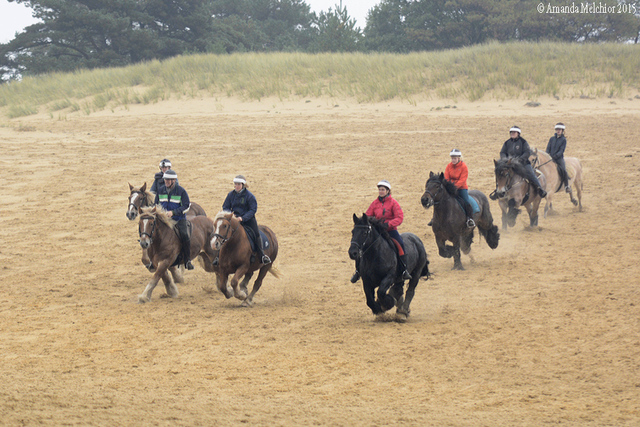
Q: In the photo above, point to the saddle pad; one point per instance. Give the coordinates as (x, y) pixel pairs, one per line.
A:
(250, 235)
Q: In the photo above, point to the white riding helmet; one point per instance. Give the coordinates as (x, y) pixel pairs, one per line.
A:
(239, 179)
(455, 153)
(384, 183)
(165, 163)
(515, 129)
(560, 126)
(170, 174)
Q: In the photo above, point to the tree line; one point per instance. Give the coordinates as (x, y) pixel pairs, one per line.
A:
(77, 34)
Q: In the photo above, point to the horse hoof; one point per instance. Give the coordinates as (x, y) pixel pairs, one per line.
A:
(401, 317)
(142, 299)
(246, 303)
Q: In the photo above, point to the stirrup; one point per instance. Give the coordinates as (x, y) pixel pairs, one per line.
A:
(189, 266)
(266, 259)
(542, 193)
(355, 277)
(471, 223)
(406, 275)
(430, 223)
(216, 262)
(567, 189)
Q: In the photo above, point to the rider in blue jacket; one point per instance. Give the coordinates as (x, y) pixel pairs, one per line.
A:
(244, 205)
(175, 200)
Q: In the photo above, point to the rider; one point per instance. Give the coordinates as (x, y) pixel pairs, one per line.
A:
(517, 146)
(457, 172)
(555, 148)
(244, 205)
(175, 200)
(387, 209)
(158, 179)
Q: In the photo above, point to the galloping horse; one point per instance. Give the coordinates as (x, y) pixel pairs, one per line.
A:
(379, 266)
(449, 219)
(159, 237)
(513, 190)
(140, 198)
(542, 161)
(236, 257)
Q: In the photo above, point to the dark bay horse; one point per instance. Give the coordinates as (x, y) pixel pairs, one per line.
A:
(159, 237)
(450, 220)
(513, 190)
(140, 198)
(542, 161)
(378, 266)
(236, 257)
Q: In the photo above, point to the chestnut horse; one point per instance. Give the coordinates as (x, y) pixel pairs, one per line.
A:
(450, 220)
(513, 190)
(542, 161)
(159, 237)
(139, 198)
(236, 257)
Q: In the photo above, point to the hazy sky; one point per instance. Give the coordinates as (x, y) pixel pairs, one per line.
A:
(14, 17)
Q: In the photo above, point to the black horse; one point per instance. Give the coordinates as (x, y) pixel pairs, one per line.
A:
(450, 220)
(378, 265)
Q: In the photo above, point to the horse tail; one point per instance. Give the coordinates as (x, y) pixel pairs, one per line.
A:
(425, 270)
(274, 270)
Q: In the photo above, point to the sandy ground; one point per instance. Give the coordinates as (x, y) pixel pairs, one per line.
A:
(543, 330)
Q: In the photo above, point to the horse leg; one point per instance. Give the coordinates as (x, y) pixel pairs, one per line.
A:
(403, 311)
(245, 281)
(222, 285)
(146, 261)
(248, 302)
(532, 210)
(176, 272)
(238, 293)
(457, 264)
(371, 297)
(169, 285)
(160, 272)
(505, 216)
(386, 301)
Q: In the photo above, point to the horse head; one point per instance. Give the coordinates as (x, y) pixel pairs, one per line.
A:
(432, 190)
(224, 226)
(137, 199)
(509, 173)
(359, 235)
(147, 226)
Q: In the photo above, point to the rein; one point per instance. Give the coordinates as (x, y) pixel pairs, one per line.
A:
(226, 238)
(537, 159)
(433, 196)
(143, 202)
(362, 246)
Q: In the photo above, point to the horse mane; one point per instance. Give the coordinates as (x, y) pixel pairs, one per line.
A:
(160, 213)
(449, 186)
(511, 163)
(378, 224)
(221, 214)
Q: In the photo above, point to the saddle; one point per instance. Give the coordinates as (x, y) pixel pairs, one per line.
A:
(252, 240)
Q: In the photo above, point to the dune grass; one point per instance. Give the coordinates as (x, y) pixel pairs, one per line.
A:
(490, 71)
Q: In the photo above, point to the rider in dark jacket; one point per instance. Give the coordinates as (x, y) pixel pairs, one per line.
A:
(244, 205)
(158, 180)
(517, 146)
(555, 148)
(175, 200)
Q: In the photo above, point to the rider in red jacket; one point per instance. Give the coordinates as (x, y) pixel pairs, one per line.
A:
(387, 209)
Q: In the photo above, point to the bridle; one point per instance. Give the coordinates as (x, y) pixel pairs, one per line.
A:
(361, 246)
(537, 159)
(433, 196)
(229, 234)
(143, 200)
(153, 228)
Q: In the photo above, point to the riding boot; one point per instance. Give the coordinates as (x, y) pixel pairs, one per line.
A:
(469, 211)
(355, 277)
(186, 255)
(216, 262)
(264, 259)
(430, 223)
(541, 192)
(403, 263)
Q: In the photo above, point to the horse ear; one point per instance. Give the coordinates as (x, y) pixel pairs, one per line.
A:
(144, 187)
(495, 163)
(431, 174)
(130, 186)
(153, 210)
(441, 175)
(365, 217)
(355, 218)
